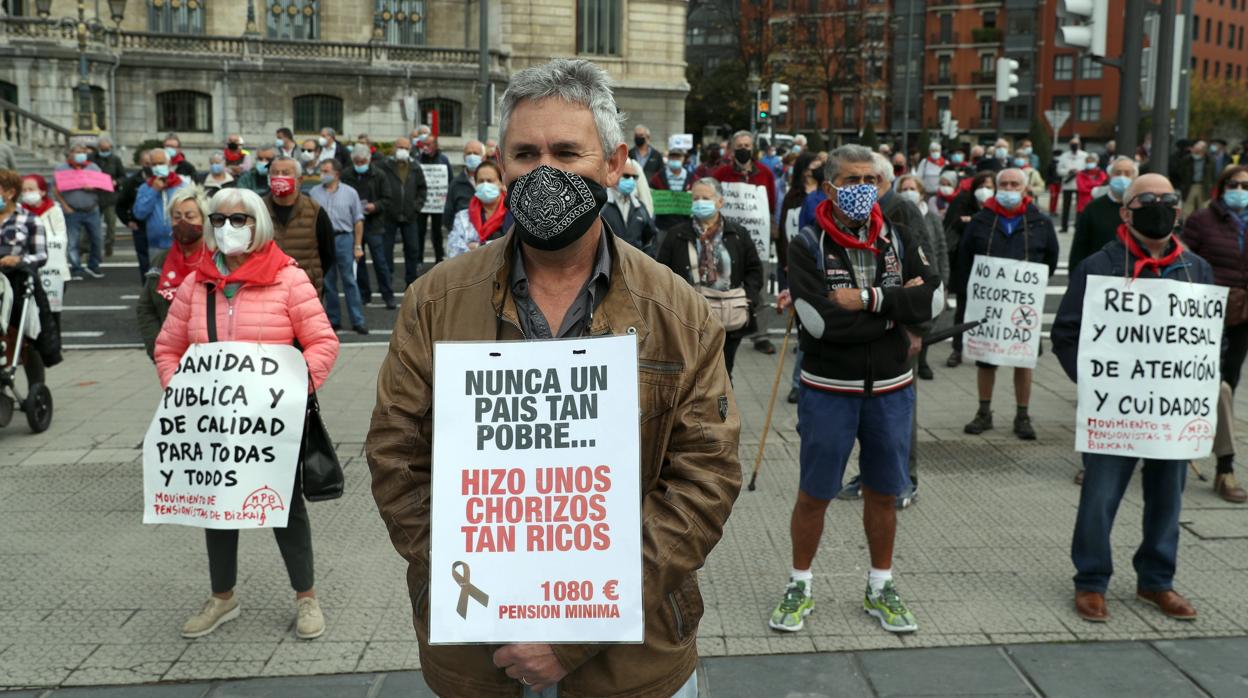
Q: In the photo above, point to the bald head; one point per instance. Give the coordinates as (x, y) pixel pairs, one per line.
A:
(1151, 183)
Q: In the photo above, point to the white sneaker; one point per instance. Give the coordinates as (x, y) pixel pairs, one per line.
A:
(211, 616)
(311, 622)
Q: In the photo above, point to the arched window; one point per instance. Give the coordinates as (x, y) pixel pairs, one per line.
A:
(294, 19)
(8, 92)
(450, 116)
(184, 111)
(315, 112)
(400, 21)
(175, 16)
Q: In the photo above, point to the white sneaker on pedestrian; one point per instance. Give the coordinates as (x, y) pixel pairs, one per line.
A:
(93, 273)
(311, 622)
(211, 616)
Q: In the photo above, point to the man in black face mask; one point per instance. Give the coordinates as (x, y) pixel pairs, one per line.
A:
(561, 272)
(651, 159)
(1145, 248)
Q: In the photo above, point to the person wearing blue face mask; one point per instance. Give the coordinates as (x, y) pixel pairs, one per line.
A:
(1097, 225)
(374, 192)
(626, 215)
(105, 157)
(257, 178)
(1009, 226)
(673, 177)
(716, 256)
(151, 204)
(177, 159)
(1217, 233)
(218, 176)
(346, 215)
(1035, 182)
(482, 222)
(82, 216)
(463, 186)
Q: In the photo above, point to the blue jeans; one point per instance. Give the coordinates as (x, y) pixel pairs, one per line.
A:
(74, 224)
(688, 690)
(830, 423)
(344, 268)
(1105, 479)
(375, 244)
(413, 249)
(141, 251)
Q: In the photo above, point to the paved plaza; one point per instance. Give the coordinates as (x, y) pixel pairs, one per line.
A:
(91, 597)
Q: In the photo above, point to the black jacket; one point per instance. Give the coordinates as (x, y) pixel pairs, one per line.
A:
(125, 199)
(1095, 227)
(907, 217)
(1111, 260)
(859, 351)
(652, 164)
(1033, 241)
(458, 195)
(373, 188)
(113, 167)
(639, 230)
(747, 270)
(406, 198)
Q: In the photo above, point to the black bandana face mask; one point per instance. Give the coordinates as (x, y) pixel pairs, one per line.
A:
(553, 208)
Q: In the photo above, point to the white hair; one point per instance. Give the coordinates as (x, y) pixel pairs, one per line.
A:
(713, 184)
(253, 205)
(576, 81)
(1135, 166)
(847, 154)
(361, 152)
(1010, 169)
(883, 167)
(191, 192)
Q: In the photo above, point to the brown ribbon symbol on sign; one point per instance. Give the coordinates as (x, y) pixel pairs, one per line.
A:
(463, 577)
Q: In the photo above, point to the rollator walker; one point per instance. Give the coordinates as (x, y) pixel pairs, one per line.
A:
(17, 351)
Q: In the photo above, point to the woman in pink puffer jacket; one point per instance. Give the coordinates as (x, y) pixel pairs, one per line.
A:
(261, 296)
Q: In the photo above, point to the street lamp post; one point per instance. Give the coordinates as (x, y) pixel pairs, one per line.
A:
(753, 82)
(84, 29)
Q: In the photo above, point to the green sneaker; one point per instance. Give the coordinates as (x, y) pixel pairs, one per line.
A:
(890, 609)
(793, 608)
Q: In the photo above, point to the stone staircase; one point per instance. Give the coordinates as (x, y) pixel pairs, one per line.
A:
(29, 163)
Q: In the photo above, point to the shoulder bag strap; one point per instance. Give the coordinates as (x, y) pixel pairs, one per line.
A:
(694, 269)
(212, 313)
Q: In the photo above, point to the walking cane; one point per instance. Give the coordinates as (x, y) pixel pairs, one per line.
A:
(1199, 475)
(771, 405)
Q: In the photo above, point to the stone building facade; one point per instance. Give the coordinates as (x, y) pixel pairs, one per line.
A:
(202, 69)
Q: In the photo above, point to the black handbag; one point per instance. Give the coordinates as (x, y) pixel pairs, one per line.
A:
(319, 468)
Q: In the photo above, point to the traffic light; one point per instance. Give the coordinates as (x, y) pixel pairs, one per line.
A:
(764, 109)
(1092, 17)
(1007, 78)
(948, 125)
(779, 99)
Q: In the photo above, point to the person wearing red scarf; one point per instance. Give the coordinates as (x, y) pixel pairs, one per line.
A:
(482, 222)
(1009, 225)
(1145, 248)
(169, 268)
(35, 199)
(856, 282)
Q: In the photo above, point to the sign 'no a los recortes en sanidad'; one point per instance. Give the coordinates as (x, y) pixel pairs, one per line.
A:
(536, 501)
(222, 448)
(1008, 295)
(1149, 353)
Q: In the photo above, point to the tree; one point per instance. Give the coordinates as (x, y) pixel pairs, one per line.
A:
(868, 137)
(834, 52)
(720, 97)
(1218, 110)
(1041, 143)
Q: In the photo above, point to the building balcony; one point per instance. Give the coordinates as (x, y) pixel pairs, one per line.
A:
(18, 31)
(986, 35)
(940, 80)
(980, 77)
(942, 39)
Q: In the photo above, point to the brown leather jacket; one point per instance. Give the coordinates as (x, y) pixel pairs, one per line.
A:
(297, 237)
(690, 472)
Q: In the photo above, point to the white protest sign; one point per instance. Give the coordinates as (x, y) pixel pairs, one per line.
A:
(222, 449)
(1149, 353)
(437, 179)
(1008, 295)
(54, 273)
(746, 205)
(684, 141)
(536, 502)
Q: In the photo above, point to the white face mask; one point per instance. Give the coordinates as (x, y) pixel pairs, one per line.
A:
(983, 194)
(31, 198)
(946, 190)
(322, 141)
(232, 241)
(402, 154)
(912, 196)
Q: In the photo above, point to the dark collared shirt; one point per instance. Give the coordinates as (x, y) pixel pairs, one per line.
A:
(576, 321)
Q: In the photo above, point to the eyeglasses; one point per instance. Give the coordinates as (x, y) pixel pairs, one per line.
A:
(1237, 184)
(237, 220)
(1148, 198)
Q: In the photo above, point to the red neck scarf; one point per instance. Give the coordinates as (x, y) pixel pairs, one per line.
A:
(997, 208)
(939, 162)
(176, 268)
(823, 215)
(173, 181)
(486, 228)
(41, 208)
(232, 156)
(1144, 260)
(261, 267)
(178, 159)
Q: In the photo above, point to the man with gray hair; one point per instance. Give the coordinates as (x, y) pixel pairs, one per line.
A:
(1009, 225)
(559, 274)
(644, 153)
(106, 159)
(1097, 225)
(857, 282)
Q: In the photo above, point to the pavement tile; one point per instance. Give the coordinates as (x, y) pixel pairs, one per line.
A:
(156, 691)
(1080, 670)
(320, 656)
(390, 656)
(190, 670)
(809, 676)
(344, 686)
(403, 684)
(942, 672)
(1216, 664)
